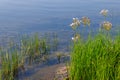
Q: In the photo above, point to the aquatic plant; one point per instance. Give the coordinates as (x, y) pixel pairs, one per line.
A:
(76, 22)
(98, 57)
(13, 58)
(76, 37)
(59, 55)
(11, 63)
(104, 12)
(55, 42)
(37, 48)
(32, 47)
(86, 21)
(0, 75)
(106, 25)
(75, 26)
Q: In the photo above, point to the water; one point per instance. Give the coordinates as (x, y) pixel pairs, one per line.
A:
(29, 16)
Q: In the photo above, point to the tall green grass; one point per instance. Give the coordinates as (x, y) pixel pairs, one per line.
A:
(0, 74)
(11, 63)
(97, 58)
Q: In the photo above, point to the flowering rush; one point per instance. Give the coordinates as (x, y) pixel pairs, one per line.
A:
(106, 25)
(86, 21)
(76, 37)
(104, 12)
(75, 23)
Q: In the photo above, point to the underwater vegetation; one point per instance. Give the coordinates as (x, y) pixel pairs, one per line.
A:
(30, 50)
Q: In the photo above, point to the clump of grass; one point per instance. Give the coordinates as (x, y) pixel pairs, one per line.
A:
(59, 55)
(12, 60)
(97, 58)
(34, 47)
(11, 63)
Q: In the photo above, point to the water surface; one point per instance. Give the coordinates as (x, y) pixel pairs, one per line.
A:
(29, 16)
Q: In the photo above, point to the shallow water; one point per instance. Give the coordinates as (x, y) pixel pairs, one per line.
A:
(29, 16)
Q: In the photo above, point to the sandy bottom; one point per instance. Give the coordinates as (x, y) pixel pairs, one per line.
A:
(46, 73)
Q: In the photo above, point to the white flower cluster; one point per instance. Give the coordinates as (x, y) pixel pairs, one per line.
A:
(104, 12)
(86, 22)
(76, 22)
